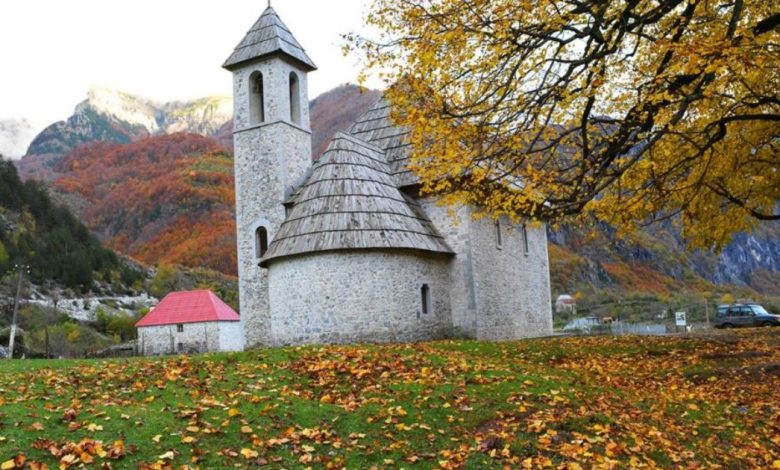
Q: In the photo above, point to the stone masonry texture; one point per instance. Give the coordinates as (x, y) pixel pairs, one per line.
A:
(486, 290)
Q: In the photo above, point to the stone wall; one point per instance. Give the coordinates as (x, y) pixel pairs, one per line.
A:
(270, 158)
(231, 336)
(455, 227)
(512, 286)
(358, 296)
(497, 292)
(195, 337)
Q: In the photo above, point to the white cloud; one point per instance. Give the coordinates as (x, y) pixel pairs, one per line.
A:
(52, 51)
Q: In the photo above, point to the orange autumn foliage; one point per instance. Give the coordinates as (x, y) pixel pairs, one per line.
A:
(166, 199)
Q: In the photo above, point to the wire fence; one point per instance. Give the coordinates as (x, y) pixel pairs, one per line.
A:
(641, 316)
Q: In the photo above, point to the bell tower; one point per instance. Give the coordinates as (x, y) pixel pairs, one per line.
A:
(272, 148)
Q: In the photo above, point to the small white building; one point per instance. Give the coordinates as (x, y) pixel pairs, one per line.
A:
(190, 322)
(565, 304)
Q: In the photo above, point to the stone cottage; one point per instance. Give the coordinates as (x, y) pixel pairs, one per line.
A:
(188, 322)
(346, 249)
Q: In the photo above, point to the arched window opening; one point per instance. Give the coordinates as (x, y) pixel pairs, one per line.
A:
(261, 242)
(295, 99)
(256, 99)
(525, 239)
(425, 293)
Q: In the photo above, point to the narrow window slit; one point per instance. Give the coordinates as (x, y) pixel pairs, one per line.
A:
(256, 99)
(425, 293)
(261, 242)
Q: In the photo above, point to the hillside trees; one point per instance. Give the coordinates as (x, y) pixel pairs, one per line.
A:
(632, 111)
(46, 236)
(166, 199)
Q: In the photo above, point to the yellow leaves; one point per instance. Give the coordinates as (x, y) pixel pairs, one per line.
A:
(92, 427)
(232, 412)
(8, 465)
(249, 453)
(36, 426)
(481, 99)
(626, 400)
(68, 460)
(536, 426)
(396, 411)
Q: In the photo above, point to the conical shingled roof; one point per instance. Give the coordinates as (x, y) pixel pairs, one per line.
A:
(268, 36)
(350, 201)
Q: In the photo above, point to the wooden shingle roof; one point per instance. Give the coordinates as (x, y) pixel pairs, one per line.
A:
(351, 201)
(377, 128)
(268, 36)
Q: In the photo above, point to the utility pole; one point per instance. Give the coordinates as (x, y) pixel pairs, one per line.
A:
(12, 336)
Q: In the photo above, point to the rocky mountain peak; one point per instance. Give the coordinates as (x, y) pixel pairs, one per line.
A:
(109, 115)
(122, 107)
(203, 116)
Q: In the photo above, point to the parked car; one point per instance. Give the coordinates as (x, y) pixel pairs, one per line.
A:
(732, 316)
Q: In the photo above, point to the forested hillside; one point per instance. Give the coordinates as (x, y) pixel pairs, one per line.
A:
(166, 199)
(46, 236)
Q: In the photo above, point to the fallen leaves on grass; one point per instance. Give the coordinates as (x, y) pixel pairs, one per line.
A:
(570, 403)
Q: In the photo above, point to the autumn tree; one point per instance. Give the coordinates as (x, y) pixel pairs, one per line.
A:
(630, 111)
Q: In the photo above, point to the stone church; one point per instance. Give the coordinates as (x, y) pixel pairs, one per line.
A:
(345, 249)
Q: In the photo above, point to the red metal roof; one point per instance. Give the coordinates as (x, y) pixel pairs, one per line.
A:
(195, 306)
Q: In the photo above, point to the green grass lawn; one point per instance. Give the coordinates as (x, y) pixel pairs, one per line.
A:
(569, 402)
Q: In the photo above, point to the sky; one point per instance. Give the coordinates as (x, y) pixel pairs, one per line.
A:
(53, 51)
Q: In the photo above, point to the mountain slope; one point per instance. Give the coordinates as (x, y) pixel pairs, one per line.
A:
(603, 257)
(118, 117)
(114, 116)
(166, 199)
(336, 110)
(653, 271)
(47, 237)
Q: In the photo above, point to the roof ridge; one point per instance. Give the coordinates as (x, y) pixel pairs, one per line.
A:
(357, 140)
(322, 161)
